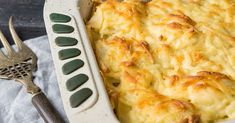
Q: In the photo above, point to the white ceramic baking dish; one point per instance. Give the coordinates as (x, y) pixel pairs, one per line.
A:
(97, 108)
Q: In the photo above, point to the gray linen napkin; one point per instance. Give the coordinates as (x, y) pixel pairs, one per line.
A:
(15, 103)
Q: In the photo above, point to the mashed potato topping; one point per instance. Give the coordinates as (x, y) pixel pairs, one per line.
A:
(167, 61)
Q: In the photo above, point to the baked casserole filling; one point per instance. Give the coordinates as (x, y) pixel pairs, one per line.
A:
(167, 61)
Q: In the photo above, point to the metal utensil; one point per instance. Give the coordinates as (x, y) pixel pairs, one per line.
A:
(19, 66)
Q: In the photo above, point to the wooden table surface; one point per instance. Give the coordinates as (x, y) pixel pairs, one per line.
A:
(27, 17)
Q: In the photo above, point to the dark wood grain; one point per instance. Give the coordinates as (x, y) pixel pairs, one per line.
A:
(27, 15)
(46, 110)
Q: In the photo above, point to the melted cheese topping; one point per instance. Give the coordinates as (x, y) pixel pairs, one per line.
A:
(167, 61)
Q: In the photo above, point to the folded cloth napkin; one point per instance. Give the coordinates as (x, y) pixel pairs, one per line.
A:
(15, 102)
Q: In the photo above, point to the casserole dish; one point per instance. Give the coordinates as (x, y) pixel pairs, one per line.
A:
(96, 107)
(70, 24)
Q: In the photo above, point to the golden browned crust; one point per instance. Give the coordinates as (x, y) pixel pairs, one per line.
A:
(167, 61)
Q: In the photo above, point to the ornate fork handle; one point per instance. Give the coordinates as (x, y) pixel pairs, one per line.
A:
(42, 104)
(45, 108)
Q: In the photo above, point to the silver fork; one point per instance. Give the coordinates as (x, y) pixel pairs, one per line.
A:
(19, 66)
